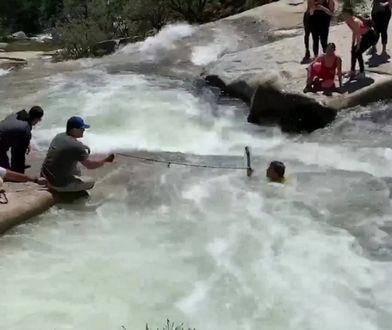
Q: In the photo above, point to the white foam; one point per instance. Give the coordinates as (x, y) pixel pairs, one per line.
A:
(165, 40)
(3, 72)
(206, 54)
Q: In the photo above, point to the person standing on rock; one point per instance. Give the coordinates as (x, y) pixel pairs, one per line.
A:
(320, 14)
(306, 22)
(363, 37)
(322, 72)
(15, 134)
(381, 15)
(60, 166)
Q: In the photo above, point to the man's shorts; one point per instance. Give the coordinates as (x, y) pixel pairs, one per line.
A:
(79, 183)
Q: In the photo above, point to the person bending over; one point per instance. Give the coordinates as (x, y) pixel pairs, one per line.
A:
(60, 166)
(363, 37)
(276, 172)
(322, 72)
(15, 134)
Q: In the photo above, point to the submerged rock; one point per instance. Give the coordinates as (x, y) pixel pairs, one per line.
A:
(20, 35)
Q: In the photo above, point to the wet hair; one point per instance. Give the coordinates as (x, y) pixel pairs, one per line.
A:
(36, 112)
(332, 44)
(278, 167)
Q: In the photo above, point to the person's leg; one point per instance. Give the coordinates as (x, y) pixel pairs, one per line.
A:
(315, 31)
(76, 185)
(377, 28)
(324, 33)
(367, 41)
(306, 22)
(18, 157)
(4, 161)
(384, 30)
(353, 59)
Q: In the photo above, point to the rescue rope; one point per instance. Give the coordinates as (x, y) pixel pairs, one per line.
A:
(169, 163)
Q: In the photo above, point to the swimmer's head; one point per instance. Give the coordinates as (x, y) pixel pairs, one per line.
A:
(276, 171)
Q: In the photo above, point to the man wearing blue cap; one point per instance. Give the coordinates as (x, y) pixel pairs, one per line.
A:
(60, 166)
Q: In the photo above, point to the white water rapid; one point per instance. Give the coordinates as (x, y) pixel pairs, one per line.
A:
(210, 248)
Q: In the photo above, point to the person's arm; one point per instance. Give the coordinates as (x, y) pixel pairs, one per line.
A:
(20, 177)
(92, 164)
(339, 71)
(311, 6)
(326, 10)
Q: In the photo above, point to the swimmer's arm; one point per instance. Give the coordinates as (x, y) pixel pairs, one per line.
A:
(339, 69)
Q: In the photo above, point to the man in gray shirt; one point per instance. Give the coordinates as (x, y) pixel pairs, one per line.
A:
(60, 166)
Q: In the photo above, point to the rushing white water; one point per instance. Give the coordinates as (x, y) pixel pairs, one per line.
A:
(211, 248)
(3, 72)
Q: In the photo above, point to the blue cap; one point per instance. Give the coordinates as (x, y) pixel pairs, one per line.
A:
(76, 122)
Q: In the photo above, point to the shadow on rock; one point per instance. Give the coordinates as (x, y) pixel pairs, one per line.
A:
(355, 85)
(377, 60)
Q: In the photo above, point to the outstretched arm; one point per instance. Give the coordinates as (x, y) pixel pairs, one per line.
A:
(20, 177)
(92, 164)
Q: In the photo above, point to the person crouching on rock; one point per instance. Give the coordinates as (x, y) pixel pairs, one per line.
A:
(322, 71)
(276, 171)
(15, 134)
(364, 36)
(60, 166)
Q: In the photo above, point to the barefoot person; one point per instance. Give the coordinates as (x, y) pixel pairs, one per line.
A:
(15, 134)
(322, 72)
(60, 166)
(381, 15)
(363, 38)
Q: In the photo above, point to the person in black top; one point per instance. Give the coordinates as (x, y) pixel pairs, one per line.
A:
(15, 134)
(320, 13)
(381, 15)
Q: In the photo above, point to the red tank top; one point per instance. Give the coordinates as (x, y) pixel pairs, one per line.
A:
(328, 73)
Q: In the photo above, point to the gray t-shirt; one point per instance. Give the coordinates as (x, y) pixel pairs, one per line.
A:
(60, 164)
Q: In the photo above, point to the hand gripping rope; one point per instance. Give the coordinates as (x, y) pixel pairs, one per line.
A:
(248, 168)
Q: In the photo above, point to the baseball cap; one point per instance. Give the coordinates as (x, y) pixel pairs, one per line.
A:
(76, 122)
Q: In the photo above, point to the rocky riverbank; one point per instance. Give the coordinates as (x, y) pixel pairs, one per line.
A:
(270, 77)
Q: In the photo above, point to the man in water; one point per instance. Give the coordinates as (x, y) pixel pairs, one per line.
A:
(276, 171)
(15, 134)
(60, 166)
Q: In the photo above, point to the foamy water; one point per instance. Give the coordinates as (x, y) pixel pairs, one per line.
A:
(210, 248)
(3, 72)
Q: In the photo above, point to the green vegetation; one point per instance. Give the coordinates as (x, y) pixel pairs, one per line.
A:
(79, 24)
(170, 326)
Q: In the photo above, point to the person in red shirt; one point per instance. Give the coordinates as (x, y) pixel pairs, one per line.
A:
(322, 71)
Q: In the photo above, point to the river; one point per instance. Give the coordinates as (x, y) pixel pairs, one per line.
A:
(207, 247)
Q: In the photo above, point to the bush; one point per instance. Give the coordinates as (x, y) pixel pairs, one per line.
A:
(170, 326)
